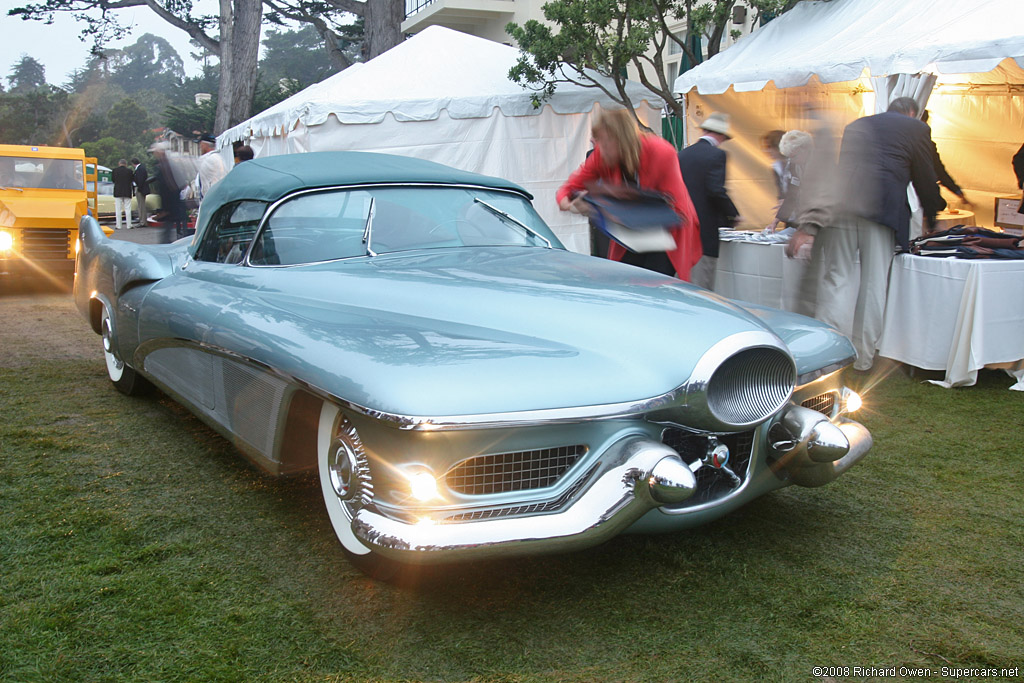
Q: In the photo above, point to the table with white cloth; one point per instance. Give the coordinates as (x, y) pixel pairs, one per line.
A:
(761, 273)
(955, 315)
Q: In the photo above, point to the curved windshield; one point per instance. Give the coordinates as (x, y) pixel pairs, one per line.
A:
(336, 224)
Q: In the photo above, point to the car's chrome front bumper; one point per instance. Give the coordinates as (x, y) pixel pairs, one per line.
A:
(640, 474)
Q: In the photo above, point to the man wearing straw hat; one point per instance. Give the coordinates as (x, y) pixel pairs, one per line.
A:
(703, 168)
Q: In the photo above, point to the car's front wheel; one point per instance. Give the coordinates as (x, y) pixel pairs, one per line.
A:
(345, 483)
(122, 375)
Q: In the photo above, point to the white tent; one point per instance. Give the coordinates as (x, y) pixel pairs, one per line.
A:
(850, 57)
(445, 96)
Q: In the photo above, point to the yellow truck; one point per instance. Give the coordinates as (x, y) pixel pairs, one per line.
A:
(44, 193)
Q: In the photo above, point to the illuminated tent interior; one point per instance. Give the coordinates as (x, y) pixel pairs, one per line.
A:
(830, 60)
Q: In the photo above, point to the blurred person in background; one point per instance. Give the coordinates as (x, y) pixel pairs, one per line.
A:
(623, 155)
(703, 167)
(878, 157)
(797, 147)
(140, 176)
(172, 172)
(770, 144)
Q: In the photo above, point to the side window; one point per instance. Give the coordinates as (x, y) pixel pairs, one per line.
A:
(231, 231)
(322, 226)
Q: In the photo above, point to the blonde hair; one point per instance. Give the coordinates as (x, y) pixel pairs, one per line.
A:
(621, 126)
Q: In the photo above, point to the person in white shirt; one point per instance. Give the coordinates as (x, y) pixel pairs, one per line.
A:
(211, 167)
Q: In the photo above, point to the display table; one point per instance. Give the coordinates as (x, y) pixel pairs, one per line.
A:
(955, 315)
(761, 273)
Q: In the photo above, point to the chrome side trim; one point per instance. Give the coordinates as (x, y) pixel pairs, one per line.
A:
(640, 473)
(809, 377)
(685, 398)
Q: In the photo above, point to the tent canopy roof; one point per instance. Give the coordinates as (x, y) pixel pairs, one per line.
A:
(838, 39)
(437, 69)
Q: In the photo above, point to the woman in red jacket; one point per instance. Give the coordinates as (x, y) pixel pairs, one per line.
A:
(622, 154)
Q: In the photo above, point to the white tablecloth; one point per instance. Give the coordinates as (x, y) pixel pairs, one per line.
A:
(955, 315)
(761, 273)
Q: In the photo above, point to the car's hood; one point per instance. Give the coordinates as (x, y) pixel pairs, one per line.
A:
(478, 331)
(41, 212)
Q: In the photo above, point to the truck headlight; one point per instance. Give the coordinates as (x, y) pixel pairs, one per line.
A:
(6, 241)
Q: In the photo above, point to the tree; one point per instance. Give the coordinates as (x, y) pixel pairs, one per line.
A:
(35, 117)
(237, 43)
(151, 63)
(127, 121)
(27, 75)
(595, 40)
(190, 116)
(588, 39)
(294, 56)
(237, 46)
(382, 23)
(108, 151)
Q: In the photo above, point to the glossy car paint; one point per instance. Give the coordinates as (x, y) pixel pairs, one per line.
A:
(439, 355)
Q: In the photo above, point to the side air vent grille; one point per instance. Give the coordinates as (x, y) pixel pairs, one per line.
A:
(518, 471)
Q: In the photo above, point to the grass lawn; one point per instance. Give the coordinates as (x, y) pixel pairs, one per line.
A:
(135, 545)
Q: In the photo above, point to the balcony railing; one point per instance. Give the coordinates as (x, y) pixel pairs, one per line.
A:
(414, 6)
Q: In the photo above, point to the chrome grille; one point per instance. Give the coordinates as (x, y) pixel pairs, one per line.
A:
(751, 385)
(823, 403)
(45, 244)
(518, 471)
(526, 509)
(712, 483)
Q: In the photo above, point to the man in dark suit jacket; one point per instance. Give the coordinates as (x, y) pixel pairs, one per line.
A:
(879, 156)
(703, 168)
(122, 178)
(141, 178)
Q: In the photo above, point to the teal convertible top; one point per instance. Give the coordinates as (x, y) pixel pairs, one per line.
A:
(270, 178)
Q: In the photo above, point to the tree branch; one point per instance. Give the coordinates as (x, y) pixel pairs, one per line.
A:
(352, 6)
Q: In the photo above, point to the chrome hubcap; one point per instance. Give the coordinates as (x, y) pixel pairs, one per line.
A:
(107, 334)
(342, 467)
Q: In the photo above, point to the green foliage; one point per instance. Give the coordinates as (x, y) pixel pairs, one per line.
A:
(151, 63)
(127, 121)
(36, 117)
(27, 75)
(293, 56)
(109, 150)
(586, 37)
(593, 37)
(191, 117)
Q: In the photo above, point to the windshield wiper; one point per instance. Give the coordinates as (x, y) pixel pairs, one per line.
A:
(368, 228)
(19, 189)
(515, 221)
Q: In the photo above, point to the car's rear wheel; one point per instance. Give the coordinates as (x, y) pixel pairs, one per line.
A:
(345, 483)
(122, 375)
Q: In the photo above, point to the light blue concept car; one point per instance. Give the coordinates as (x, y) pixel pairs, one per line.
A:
(464, 386)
